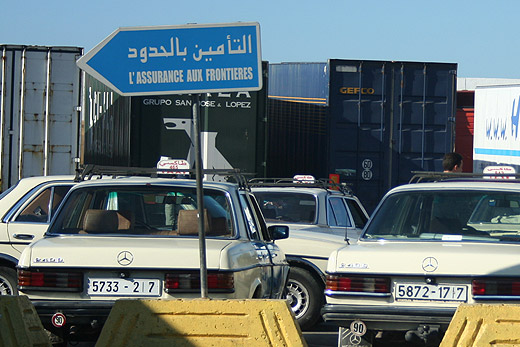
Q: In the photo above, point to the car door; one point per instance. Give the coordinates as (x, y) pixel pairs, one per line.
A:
(258, 242)
(280, 267)
(29, 219)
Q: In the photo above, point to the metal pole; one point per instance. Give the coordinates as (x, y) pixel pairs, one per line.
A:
(3, 115)
(200, 197)
(22, 118)
(46, 138)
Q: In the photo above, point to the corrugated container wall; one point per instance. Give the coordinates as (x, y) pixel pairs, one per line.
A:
(39, 111)
(297, 118)
(383, 121)
(138, 131)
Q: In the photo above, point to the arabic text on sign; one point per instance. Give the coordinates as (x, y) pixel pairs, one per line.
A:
(234, 46)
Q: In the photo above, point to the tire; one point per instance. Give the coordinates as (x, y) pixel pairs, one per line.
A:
(305, 296)
(8, 281)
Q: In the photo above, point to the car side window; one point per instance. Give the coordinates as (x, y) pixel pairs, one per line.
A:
(338, 215)
(44, 205)
(360, 219)
(259, 218)
(252, 228)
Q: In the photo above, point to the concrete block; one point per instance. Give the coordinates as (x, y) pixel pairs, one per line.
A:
(201, 322)
(20, 324)
(484, 325)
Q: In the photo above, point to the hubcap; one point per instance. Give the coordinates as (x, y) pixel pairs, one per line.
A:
(5, 287)
(298, 298)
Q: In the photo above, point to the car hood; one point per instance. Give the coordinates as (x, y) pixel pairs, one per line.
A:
(353, 233)
(103, 252)
(433, 258)
(310, 243)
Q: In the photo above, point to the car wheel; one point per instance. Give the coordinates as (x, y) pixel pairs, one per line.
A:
(8, 281)
(305, 296)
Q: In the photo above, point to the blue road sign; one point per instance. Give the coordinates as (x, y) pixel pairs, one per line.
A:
(187, 59)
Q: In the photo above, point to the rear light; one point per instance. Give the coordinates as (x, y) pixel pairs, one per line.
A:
(357, 284)
(50, 280)
(190, 282)
(496, 287)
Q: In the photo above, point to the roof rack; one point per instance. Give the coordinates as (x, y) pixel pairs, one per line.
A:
(88, 171)
(322, 183)
(432, 176)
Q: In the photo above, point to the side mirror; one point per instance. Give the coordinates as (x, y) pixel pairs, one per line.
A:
(278, 232)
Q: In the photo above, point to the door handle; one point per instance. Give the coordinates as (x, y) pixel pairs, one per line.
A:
(23, 236)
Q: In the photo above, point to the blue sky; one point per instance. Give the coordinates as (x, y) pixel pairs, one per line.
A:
(481, 36)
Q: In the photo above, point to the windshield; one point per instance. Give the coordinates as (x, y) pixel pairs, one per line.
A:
(170, 211)
(448, 216)
(287, 207)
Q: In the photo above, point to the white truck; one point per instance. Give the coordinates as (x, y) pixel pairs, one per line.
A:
(496, 138)
(40, 95)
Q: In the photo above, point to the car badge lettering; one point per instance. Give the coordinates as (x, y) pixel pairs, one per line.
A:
(56, 260)
(125, 258)
(353, 266)
(430, 264)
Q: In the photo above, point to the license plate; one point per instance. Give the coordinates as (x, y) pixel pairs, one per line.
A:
(414, 291)
(124, 287)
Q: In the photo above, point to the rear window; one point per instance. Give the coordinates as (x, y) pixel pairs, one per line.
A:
(163, 211)
(287, 207)
(456, 215)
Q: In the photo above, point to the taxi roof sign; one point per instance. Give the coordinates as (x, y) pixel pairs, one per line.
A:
(169, 166)
(500, 172)
(303, 179)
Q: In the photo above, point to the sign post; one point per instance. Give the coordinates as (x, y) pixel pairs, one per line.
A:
(200, 197)
(185, 59)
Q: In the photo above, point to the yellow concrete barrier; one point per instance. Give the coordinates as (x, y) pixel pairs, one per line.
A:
(484, 325)
(20, 324)
(201, 322)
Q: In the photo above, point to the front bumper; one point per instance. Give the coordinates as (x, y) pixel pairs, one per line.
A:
(388, 317)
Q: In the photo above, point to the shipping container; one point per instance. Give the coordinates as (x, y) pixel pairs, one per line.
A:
(379, 121)
(140, 130)
(464, 126)
(107, 126)
(297, 118)
(40, 94)
(464, 131)
(496, 139)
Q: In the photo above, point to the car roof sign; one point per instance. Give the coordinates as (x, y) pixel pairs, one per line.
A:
(499, 172)
(303, 179)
